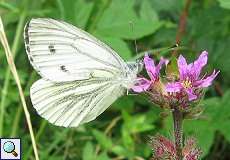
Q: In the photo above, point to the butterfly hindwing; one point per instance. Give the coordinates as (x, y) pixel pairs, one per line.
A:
(70, 104)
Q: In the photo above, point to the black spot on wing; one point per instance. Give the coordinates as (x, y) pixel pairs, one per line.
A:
(51, 48)
(63, 68)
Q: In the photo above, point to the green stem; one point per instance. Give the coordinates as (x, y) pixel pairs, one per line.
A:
(178, 132)
(15, 47)
(164, 50)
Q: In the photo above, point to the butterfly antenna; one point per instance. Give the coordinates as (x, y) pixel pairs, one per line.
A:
(135, 41)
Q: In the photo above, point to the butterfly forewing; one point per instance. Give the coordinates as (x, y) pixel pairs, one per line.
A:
(62, 52)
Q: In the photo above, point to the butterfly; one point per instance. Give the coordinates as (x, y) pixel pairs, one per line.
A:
(80, 76)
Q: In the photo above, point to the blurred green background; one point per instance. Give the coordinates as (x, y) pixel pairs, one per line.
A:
(122, 132)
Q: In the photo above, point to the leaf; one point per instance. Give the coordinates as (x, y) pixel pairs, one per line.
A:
(117, 45)
(8, 6)
(147, 12)
(88, 152)
(120, 150)
(203, 131)
(103, 156)
(136, 123)
(127, 138)
(124, 103)
(102, 139)
(127, 26)
(76, 11)
(167, 5)
(221, 115)
(224, 4)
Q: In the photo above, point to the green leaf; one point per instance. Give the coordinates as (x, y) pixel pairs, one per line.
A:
(118, 45)
(103, 156)
(124, 103)
(221, 115)
(136, 123)
(102, 139)
(127, 138)
(224, 4)
(203, 131)
(120, 150)
(127, 26)
(8, 6)
(76, 11)
(88, 152)
(147, 12)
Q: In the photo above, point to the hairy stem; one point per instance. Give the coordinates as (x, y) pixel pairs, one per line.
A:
(178, 132)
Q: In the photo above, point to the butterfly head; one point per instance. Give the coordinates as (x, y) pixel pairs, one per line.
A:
(135, 66)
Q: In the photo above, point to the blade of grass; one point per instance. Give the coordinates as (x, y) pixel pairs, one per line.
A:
(8, 6)
(19, 108)
(38, 135)
(15, 47)
(55, 143)
(13, 69)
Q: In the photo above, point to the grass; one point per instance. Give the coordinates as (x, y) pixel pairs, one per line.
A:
(13, 69)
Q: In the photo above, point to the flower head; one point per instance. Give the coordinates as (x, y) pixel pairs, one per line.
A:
(164, 148)
(153, 71)
(189, 76)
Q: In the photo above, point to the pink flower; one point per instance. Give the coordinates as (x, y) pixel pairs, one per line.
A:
(153, 71)
(190, 76)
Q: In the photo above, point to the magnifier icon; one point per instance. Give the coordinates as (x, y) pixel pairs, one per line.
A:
(9, 147)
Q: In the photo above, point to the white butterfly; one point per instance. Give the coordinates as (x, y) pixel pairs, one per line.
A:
(81, 76)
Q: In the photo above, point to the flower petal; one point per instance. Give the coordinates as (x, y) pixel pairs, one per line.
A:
(182, 65)
(208, 80)
(191, 95)
(173, 87)
(150, 67)
(158, 67)
(196, 67)
(141, 85)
